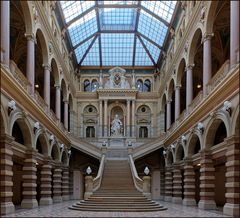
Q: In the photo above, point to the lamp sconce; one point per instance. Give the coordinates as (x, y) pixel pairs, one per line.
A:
(146, 171)
(51, 138)
(62, 146)
(183, 139)
(227, 107)
(200, 127)
(173, 146)
(164, 153)
(89, 170)
(36, 126)
(104, 144)
(69, 152)
(129, 143)
(11, 106)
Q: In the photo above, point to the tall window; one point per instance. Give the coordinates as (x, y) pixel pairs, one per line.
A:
(143, 132)
(147, 86)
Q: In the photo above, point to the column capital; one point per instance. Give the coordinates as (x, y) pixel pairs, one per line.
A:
(207, 36)
(169, 101)
(189, 67)
(105, 101)
(128, 101)
(57, 86)
(178, 87)
(46, 67)
(30, 37)
(65, 101)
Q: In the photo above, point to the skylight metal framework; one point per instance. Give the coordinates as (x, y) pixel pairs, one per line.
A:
(117, 33)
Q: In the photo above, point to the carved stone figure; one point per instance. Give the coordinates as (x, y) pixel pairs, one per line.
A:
(116, 126)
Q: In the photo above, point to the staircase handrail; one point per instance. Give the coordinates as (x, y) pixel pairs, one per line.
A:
(138, 182)
(98, 179)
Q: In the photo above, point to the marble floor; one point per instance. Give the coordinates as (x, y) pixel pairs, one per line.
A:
(61, 210)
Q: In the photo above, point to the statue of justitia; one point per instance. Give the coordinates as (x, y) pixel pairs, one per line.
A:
(116, 126)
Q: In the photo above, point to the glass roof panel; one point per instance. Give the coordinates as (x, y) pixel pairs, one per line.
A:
(141, 57)
(118, 2)
(152, 28)
(117, 18)
(117, 49)
(80, 50)
(154, 51)
(83, 28)
(92, 58)
(72, 9)
(163, 9)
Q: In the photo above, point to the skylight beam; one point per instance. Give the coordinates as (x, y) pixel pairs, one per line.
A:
(146, 49)
(117, 31)
(85, 40)
(154, 43)
(90, 46)
(116, 6)
(135, 35)
(100, 49)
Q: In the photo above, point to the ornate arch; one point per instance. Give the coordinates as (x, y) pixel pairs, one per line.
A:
(164, 97)
(235, 121)
(192, 139)
(180, 71)
(64, 89)
(171, 87)
(41, 134)
(56, 151)
(44, 45)
(4, 121)
(64, 157)
(55, 70)
(26, 9)
(178, 150)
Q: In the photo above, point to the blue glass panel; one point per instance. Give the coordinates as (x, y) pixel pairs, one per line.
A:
(163, 9)
(154, 51)
(83, 28)
(72, 9)
(152, 28)
(118, 2)
(92, 58)
(117, 49)
(80, 50)
(141, 56)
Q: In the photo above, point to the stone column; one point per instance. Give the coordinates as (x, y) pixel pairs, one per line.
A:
(168, 184)
(177, 184)
(189, 183)
(133, 118)
(147, 186)
(105, 118)
(207, 180)
(189, 90)
(234, 32)
(58, 102)
(66, 115)
(31, 62)
(128, 118)
(207, 62)
(88, 186)
(5, 31)
(162, 184)
(177, 101)
(47, 84)
(231, 206)
(29, 180)
(100, 119)
(168, 114)
(71, 184)
(57, 184)
(6, 174)
(46, 179)
(65, 184)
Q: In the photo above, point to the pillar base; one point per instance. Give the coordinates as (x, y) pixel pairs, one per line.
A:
(147, 195)
(231, 209)
(29, 203)
(57, 199)
(87, 195)
(65, 197)
(7, 207)
(168, 198)
(46, 201)
(207, 204)
(177, 200)
(189, 202)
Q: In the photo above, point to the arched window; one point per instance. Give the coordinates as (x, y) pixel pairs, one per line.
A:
(143, 132)
(90, 132)
(87, 86)
(147, 86)
(94, 85)
(140, 85)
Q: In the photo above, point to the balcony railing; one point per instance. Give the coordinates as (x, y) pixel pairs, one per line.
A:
(41, 102)
(196, 101)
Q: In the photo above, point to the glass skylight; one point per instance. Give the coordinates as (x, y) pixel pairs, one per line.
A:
(116, 23)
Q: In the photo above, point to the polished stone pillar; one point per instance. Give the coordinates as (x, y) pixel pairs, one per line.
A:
(6, 174)
(46, 180)
(177, 102)
(177, 184)
(31, 62)
(71, 184)
(100, 118)
(66, 115)
(168, 184)
(207, 62)
(128, 118)
(168, 114)
(162, 184)
(189, 183)
(58, 102)
(5, 31)
(231, 206)
(47, 69)
(105, 118)
(234, 32)
(29, 180)
(189, 90)
(57, 184)
(207, 180)
(65, 184)
(133, 118)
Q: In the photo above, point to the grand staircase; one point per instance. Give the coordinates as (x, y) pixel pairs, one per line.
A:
(117, 192)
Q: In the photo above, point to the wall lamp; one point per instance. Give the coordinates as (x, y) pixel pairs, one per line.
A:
(164, 153)
(11, 106)
(146, 171)
(36, 126)
(183, 139)
(62, 146)
(51, 138)
(227, 107)
(89, 170)
(173, 146)
(69, 152)
(200, 127)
